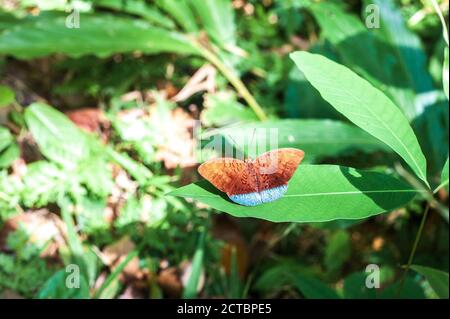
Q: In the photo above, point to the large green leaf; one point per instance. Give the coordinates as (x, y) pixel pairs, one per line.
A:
(375, 54)
(99, 34)
(438, 279)
(300, 100)
(318, 138)
(58, 138)
(364, 105)
(317, 193)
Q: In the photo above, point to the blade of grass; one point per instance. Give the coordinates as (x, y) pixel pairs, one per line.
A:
(235, 282)
(115, 274)
(190, 291)
(234, 80)
(413, 250)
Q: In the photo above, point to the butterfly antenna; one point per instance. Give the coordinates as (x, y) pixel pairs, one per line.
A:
(253, 137)
(234, 143)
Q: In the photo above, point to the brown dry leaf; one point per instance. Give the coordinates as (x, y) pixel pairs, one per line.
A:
(111, 254)
(169, 280)
(202, 80)
(123, 188)
(179, 146)
(91, 120)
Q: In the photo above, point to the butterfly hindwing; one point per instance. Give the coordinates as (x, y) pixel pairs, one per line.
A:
(275, 168)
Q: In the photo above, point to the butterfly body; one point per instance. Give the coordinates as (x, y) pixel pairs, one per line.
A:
(253, 181)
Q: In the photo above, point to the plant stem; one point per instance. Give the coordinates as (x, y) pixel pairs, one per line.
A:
(234, 80)
(414, 248)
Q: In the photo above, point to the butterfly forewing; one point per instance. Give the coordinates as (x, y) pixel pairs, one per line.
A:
(229, 175)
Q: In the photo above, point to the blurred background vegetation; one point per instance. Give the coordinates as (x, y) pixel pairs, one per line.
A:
(97, 102)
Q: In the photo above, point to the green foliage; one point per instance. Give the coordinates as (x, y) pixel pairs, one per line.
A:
(7, 96)
(445, 72)
(9, 150)
(101, 34)
(58, 138)
(23, 271)
(223, 109)
(55, 288)
(444, 175)
(355, 96)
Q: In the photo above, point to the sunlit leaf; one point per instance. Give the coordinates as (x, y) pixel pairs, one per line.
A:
(58, 138)
(364, 105)
(7, 96)
(9, 155)
(6, 138)
(217, 17)
(99, 34)
(180, 12)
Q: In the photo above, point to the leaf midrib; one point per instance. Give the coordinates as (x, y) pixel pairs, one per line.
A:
(324, 194)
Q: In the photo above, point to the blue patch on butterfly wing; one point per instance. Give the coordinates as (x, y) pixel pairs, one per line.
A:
(249, 199)
(271, 194)
(254, 199)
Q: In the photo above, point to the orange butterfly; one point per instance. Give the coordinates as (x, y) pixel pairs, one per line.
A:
(253, 181)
